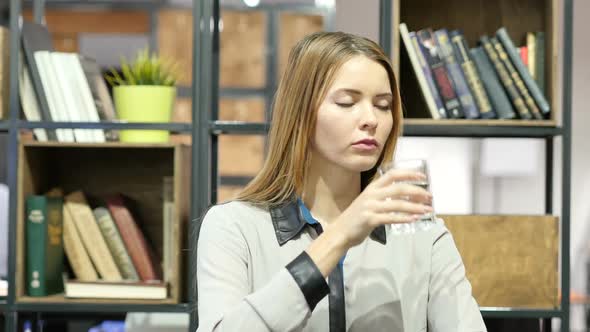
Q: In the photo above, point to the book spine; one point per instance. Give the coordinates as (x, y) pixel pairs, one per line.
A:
(115, 243)
(456, 74)
(532, 51)
(4, 71)
(54, 245)
(522, 89)
(36, 207)
(136, 243)
(526, 81)
(75, 252)
(540, 61)
(506, 80)
(91, 236)
(440, 75)
(440, 108)
(413, 57)
(473, 79)
(498, 98)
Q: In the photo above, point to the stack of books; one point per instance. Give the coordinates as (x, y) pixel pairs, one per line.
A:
(109, 255)
(489, 81)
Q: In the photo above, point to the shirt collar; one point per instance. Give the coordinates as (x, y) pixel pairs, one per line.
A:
(289, 219)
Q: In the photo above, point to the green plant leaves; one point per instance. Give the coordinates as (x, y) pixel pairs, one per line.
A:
(145, 69)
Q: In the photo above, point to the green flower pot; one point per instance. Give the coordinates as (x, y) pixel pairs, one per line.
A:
(144, 103)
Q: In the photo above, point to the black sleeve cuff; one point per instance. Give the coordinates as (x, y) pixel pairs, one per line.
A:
(309, 278)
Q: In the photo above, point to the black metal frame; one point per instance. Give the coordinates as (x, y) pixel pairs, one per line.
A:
(206, 129)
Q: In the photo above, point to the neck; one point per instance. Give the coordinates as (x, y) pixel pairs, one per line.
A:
(329, 191)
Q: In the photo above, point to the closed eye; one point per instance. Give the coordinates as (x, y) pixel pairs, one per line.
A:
(345, 105)
(384, 107)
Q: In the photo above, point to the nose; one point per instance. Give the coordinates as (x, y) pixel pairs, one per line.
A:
(368, 118)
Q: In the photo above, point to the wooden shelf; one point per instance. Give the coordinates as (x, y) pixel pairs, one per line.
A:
(58, 303)
(476, 18)
(136, 170)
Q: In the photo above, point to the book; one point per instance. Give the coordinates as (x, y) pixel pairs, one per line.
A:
(456, 74)
(91, 236)
(44, 255)
(523, 51)
(498, 98)
(518, 82)
(422, 73)
(428, 75)
(28, 100)
(440, 74)
(97, 89)
(4, 71)
(115, 290)
(115, 243)
(528, 82)
(471, 75)
(169, 213)
(540, 61)
(143, 256)
(75, 251)
(506, 80)
(53, 94)
(35, 37)
(531, 52)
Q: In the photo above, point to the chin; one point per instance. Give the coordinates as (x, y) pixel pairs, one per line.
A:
(363, 164)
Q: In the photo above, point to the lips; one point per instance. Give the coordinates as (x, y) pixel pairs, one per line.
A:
(367, 142)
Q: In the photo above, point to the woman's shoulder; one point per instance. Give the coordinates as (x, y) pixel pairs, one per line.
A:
(233, 211)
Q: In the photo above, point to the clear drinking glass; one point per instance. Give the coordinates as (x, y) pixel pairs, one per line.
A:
(420, 165)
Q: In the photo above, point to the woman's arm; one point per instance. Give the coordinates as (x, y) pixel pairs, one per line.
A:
(451, 306)
(225, 301)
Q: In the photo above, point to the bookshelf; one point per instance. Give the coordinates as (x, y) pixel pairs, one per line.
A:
(477, 18)
(133, 169)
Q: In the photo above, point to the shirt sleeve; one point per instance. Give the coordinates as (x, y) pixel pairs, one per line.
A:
(225, 300)
(451, 306)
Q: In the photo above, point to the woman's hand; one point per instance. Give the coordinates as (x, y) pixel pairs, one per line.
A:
(386, 200)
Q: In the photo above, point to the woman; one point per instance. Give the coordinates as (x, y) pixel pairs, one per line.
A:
(317, 211)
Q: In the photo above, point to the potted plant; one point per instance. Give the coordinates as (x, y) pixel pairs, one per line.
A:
(144, 91)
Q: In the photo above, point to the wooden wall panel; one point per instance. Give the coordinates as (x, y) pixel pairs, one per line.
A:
(249, 110)
(293, 27)
(240, 155)
(511, 261)
(66, 21)
(243, 49)
(175, 40)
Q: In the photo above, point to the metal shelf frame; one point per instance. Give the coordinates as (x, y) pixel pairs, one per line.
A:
(206, 128)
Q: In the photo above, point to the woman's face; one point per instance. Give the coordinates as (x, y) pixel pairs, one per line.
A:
(355, 118)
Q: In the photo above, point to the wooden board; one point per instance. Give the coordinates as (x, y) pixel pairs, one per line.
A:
(175, 40)
(293, 27)
(243, 49)
(511, 261)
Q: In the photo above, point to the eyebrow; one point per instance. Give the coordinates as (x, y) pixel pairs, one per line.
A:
(357, 92)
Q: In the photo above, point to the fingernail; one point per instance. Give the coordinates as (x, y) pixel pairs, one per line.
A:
(428, 208)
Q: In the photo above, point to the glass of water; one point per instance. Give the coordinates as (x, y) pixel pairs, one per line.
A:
(419, 165)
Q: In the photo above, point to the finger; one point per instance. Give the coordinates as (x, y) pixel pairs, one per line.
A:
(401, 206)
(399, 175)
(407, 191)
(394, 218)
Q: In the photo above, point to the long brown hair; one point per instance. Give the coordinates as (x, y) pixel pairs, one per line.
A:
(310, 71)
